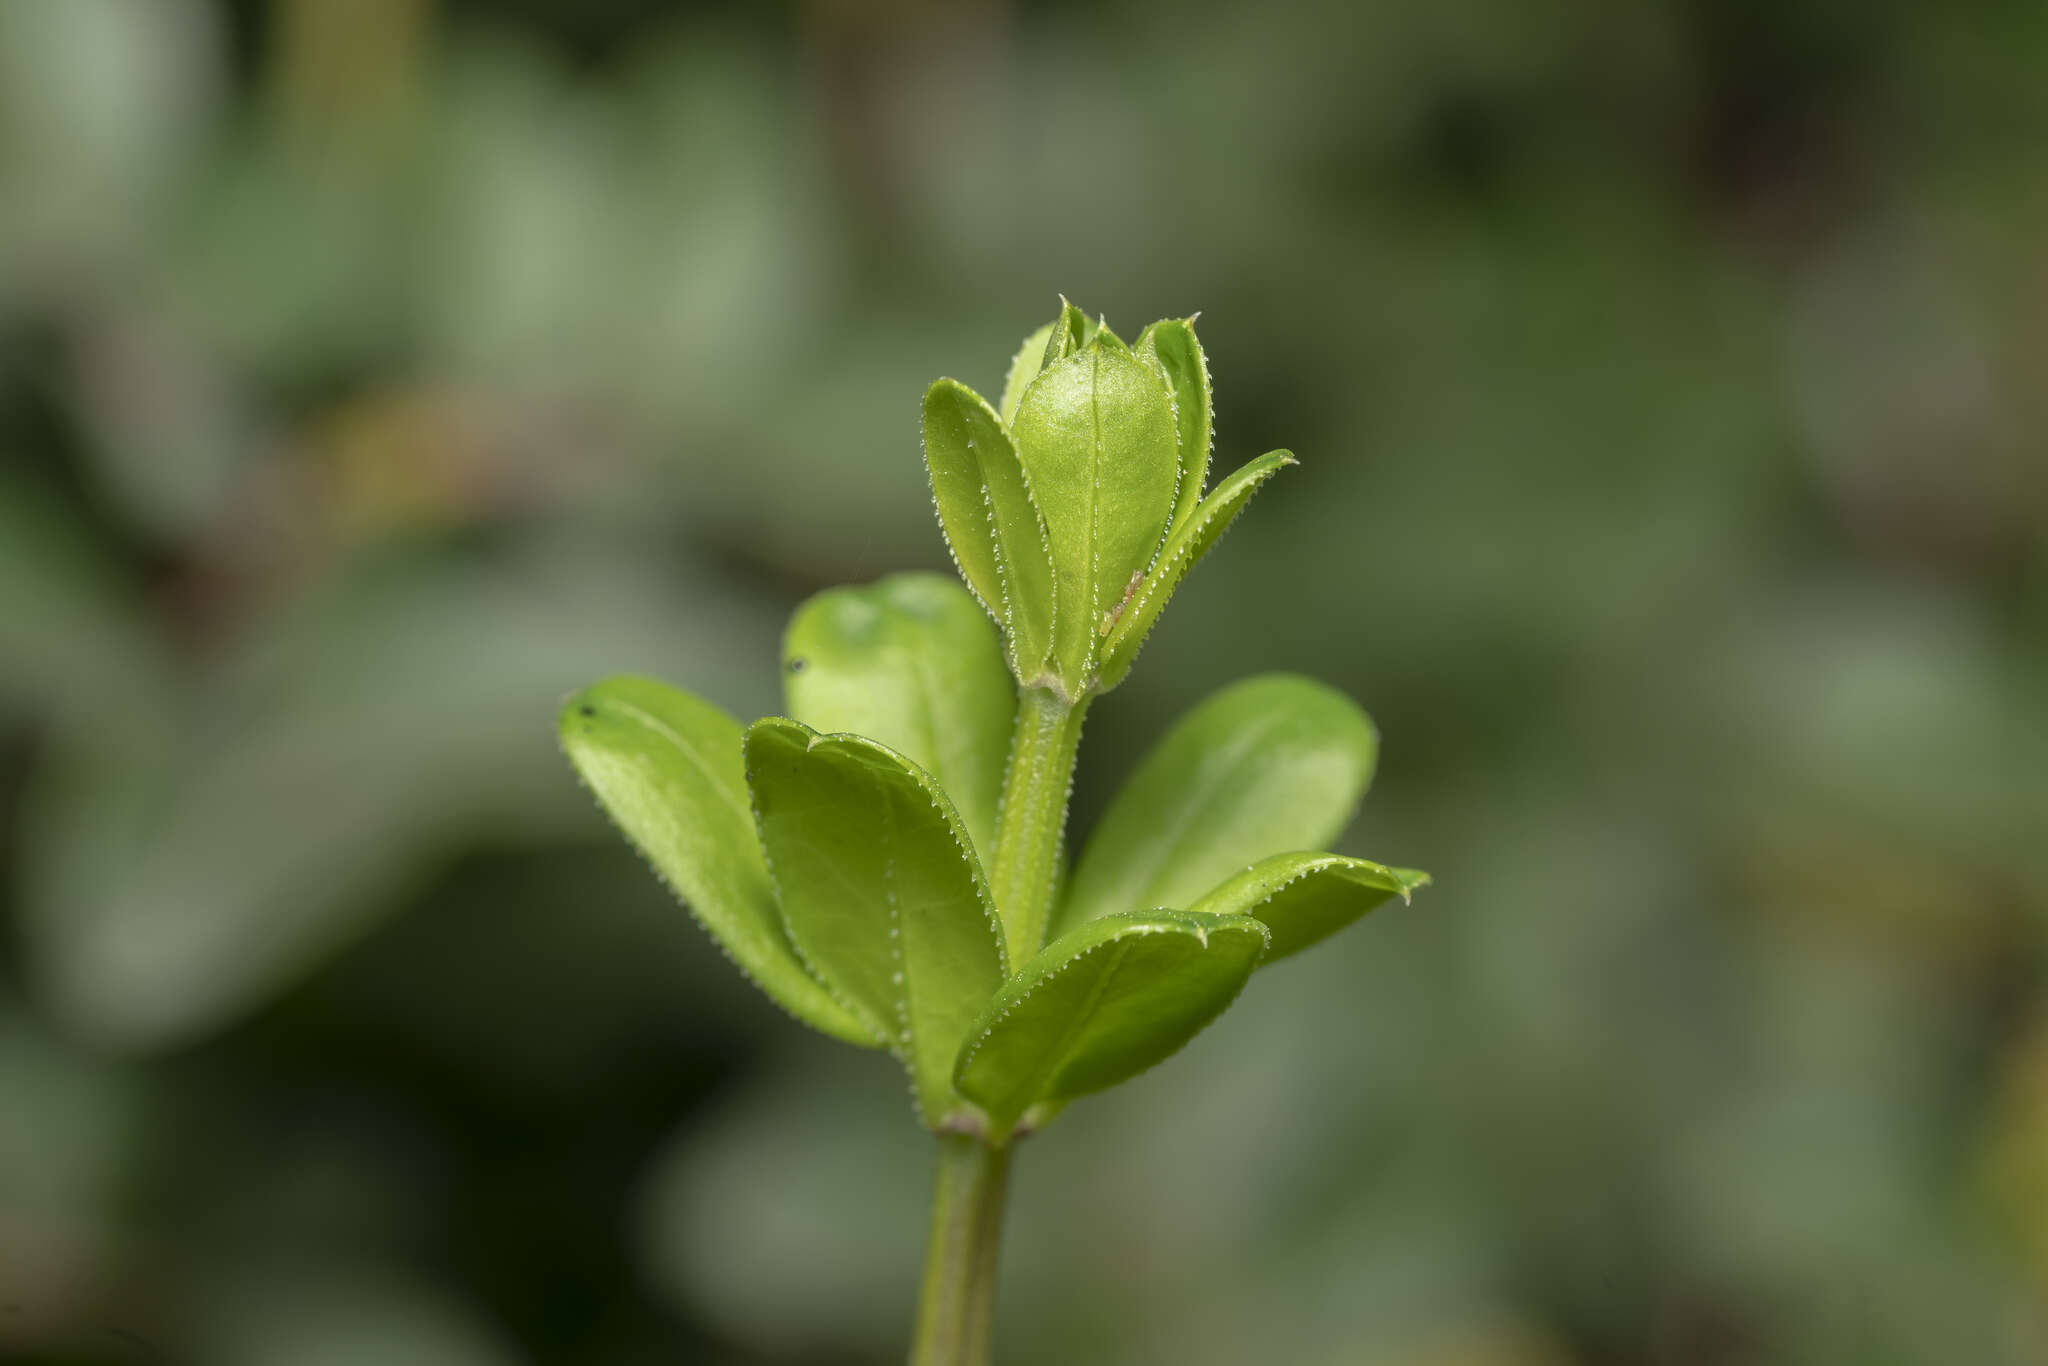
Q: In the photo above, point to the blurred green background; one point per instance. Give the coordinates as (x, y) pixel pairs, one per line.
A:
(1670, 382)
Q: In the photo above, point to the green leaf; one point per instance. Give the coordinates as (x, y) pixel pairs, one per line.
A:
(1095, 434)
(991, 520)
(1185, 548)
(1303, 898)
(1270, 764)
(882, 896)
(1103, 1004)
(1024, 367)
(666, 767)
(915, 663)
(1169, 346)
(1069, 333)
(1075, 330)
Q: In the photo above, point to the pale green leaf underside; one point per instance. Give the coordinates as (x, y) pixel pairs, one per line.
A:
(1096, 437)
(1170, 347)
(666, 767)
(882, 897)
(1024, 367)
(1303, 898)
(1267, 765)
(914, 662)
(993, 522)
(1185, 547)
(1103, 1004)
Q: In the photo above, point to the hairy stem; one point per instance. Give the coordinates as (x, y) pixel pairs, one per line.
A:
(1033, 816)
(956, 1304)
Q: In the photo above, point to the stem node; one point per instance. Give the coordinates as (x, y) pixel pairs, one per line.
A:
(956, 1304)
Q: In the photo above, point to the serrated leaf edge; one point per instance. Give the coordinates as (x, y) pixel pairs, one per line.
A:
(1033, 675)
(1408, 881)
(898, 1041)
(875, 1037)
(1183, 515)
(1103, 622)
(1231, 923)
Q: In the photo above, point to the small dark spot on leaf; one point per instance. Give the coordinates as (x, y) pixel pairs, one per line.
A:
(799, 664)
(587, 710)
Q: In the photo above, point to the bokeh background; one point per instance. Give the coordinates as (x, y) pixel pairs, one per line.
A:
(1670, 381)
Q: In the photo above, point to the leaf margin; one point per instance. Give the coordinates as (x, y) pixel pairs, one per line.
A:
(1063, 955)
(1271, 878)
(902, 1044)
(787, 981)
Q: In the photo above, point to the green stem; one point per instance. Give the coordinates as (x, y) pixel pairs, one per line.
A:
(956, 1304)
(1033, 816)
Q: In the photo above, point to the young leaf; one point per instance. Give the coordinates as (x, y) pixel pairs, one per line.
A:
(1024, 367)
(991, 520)
(882, 896)
(1169, 346)
(1069, 333)
(1042, 348)
(1095, 434)
(1185, 547)
(913, 662)
(1103, 1004)
(666, 767)
(1269, 764)
(1306, 897)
